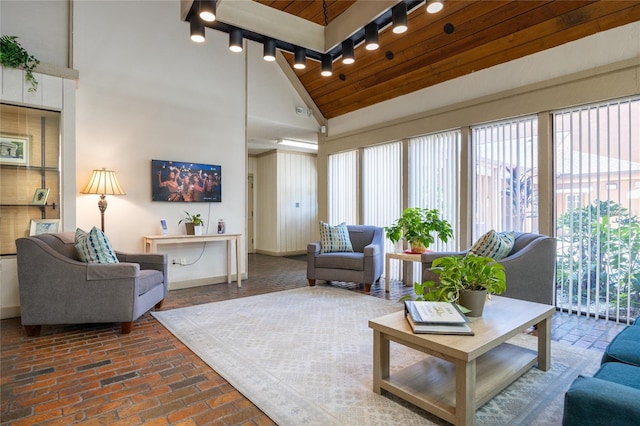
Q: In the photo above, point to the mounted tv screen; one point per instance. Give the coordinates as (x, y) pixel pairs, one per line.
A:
(185, 182)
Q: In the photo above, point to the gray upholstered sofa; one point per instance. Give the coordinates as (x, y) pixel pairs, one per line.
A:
(529, 267)
(363, 266)
(57, 288)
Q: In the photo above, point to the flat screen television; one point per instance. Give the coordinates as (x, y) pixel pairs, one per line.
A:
(177, 181)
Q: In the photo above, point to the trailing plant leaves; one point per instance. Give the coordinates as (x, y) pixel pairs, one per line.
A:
(13, 55)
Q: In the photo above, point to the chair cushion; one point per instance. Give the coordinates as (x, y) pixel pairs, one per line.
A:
(94, 247)
(624, 374)
(149, 278)
(625, 347)
(494, 245)
(334, 239)
(352, 261)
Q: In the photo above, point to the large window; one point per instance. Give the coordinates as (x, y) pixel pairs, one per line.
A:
(434, 178)
(597, 188)
(342, 179)
(505, 184)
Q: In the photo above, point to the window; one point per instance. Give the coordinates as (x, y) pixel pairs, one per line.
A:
(342, 179)
(598, 227)
(505, 183)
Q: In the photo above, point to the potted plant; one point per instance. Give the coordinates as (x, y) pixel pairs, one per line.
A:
(193, 223)
(13, 55)
(464, 280)
(417, 226)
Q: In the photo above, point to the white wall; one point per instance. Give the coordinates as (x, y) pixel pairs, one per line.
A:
(147, 92)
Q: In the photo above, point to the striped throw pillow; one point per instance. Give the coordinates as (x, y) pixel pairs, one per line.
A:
(334, 239)
(94, 247)
(494, 245)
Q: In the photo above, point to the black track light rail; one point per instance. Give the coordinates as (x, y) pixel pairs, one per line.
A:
(384, 20)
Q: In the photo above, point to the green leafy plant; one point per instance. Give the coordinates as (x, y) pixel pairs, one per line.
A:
(459, 273)
(599, 254)
(418, 226)
(192, 218)
(13, 55)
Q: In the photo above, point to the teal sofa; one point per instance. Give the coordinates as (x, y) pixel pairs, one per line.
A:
(612, 395)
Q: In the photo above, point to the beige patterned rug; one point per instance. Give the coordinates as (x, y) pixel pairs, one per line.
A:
(304, 356)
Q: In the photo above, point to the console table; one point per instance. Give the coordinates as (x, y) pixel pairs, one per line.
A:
(151, 243)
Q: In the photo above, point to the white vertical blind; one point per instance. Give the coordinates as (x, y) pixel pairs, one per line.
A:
(382, 189)
(434, 178)
(597, 185)
(342, 181)
(505, 182)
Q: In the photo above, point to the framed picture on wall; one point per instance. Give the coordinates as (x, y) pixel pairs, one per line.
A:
(44, 226)
(14, 149)
(40, 196)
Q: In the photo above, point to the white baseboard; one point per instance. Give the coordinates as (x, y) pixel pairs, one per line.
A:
(9, 312)
(281, 253)
(199, 282)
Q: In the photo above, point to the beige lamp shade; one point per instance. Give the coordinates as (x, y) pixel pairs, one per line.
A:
(103, 182)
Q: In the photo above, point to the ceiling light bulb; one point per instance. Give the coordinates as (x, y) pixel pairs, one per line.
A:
(269, 50)
(348, 52)
(235, 40)
(399, 17)
(434, 6)
(327, 66)
(197, 30)
(299, 58)
(208, 10)
(371, 36)
(298, 144)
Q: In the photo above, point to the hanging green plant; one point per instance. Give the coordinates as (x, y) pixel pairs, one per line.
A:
(13, 55)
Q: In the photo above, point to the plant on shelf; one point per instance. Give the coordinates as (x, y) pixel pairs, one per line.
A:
(417, 226)
(13, 55)
(461, 275)
(193, 223)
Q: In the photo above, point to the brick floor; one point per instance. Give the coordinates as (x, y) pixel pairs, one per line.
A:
(92, 374)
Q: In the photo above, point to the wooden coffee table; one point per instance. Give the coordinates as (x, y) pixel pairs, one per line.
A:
(462, 372)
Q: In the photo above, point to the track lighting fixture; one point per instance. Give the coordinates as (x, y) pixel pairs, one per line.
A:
(399, 17)
(269, 50)
(299, 58)
(208, 10)
(371, 36)
(235, 40)
(348, 55)
(197, 30)
(327, 65)
(434, 6)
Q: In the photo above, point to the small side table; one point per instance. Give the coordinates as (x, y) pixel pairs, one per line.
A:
(402, 256)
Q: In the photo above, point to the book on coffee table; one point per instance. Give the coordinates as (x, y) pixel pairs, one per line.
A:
(436, 318)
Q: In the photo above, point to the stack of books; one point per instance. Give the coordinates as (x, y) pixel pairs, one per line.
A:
(436, 318)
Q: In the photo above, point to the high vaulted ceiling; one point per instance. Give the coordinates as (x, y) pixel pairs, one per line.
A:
(485, 33)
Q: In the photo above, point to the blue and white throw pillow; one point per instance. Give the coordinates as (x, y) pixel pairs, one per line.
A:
(494, 245)
(334, 239)
(94, 247)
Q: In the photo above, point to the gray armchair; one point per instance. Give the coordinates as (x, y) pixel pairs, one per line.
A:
(57, 288)
(363, 266)
(529, 267)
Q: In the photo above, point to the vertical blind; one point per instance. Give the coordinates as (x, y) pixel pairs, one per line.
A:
(342, 183)
(505, 182)
(597, 186)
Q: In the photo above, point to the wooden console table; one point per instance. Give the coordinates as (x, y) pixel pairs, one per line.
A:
(151, 243)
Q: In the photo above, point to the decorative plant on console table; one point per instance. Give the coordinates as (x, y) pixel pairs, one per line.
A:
(417, 226)
(193, 223)
(464, 280)
(13, 55)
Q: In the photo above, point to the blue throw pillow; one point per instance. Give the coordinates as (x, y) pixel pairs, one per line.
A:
(334, 239)
(94, 247)
(494, 245)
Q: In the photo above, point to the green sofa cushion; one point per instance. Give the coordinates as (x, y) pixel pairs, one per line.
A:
(625, 347)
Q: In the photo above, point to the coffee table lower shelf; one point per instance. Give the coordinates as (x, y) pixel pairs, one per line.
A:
(431, 383)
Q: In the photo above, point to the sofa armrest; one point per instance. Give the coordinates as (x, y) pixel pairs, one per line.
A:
(112, 271)
(145, 260)
(594, 401)
(313, 248)
(372, 250)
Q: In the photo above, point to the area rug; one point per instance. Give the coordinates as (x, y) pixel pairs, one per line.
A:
(304, 356)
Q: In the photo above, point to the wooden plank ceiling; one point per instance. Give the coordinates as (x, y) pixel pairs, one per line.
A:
(486, 33)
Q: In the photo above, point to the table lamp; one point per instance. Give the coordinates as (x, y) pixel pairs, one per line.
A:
(103, 182)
